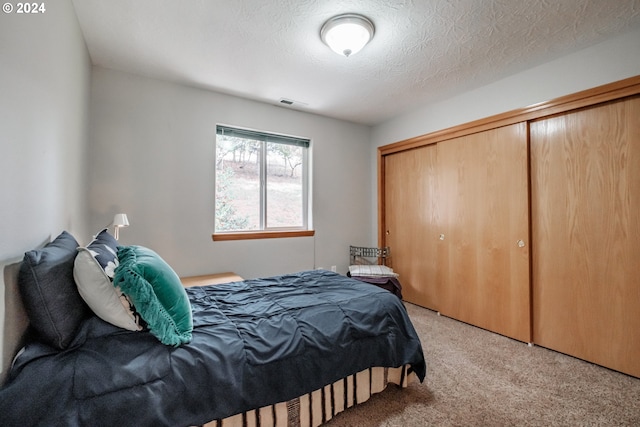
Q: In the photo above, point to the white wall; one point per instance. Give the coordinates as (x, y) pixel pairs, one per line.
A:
(610, 61)
(44, 90)
(152, 157)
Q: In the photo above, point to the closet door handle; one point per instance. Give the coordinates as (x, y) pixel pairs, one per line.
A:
(441, 237)
(520, 243)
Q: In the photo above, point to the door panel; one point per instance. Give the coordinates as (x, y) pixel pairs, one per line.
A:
(410, 200)
(454, 212)
(585, 179)
(483, 213)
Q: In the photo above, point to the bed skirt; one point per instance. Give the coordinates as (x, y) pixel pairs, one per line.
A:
(318, 407)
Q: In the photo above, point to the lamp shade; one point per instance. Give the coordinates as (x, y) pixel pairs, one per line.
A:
(347, 34)
(120, 220)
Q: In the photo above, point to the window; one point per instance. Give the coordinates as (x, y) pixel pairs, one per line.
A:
(261, 185)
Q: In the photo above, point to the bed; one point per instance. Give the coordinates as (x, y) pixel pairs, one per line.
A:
(291, 350)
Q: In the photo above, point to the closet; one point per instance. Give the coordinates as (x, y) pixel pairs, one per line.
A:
(527, 223)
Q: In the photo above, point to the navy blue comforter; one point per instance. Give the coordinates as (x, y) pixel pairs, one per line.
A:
(255, 343)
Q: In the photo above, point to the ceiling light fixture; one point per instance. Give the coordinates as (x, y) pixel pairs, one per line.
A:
(347, 34)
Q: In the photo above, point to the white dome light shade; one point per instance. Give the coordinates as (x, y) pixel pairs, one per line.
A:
(347, 34)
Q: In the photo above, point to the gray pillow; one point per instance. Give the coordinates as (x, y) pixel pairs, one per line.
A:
(49, 293)
(93, 270)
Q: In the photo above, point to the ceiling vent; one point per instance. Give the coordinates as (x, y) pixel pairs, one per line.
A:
(290, 102)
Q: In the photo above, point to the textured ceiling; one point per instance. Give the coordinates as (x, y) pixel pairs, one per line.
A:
(422, 51)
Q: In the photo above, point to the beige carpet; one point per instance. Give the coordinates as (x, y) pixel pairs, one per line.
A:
(478, 378)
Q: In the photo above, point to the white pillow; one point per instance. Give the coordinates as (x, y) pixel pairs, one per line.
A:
(93, 272)
(371, 270)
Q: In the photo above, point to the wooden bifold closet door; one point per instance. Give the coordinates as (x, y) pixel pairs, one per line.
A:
(527, 223)
(456, 219)
(411, 224)
(484, 223)
(585, 185)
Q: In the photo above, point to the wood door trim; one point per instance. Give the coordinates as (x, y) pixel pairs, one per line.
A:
(381, 203)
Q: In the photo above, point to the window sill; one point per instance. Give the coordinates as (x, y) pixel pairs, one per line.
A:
(251, 235)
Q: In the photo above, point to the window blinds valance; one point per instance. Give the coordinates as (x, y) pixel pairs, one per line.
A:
(262, 136)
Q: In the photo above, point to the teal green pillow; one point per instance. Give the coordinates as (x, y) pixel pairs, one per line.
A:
(156, 292)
